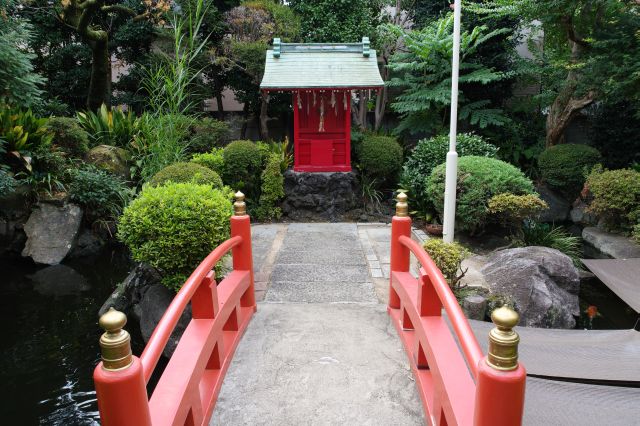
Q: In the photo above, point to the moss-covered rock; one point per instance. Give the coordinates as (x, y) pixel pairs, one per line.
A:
(111, 159)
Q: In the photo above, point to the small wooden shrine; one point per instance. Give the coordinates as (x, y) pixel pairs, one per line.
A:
(320, 77)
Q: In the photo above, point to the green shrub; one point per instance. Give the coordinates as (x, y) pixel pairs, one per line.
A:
(636, 233)
(174, 227)
(102, 194)
(272, 189)
(513, 209)
(109, 127)
(281, 149)
(545, 235)
(479, 179)
(432, 152)
(207, 134)
(213, 160)
(22, 133)
(616, 196)
(7, 183)
(186, 173)
(448, 258)
(564, 167)
(380, 157)
(69, 136)
(242, 167)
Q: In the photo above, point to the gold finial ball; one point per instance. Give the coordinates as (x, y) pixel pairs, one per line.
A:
(505, 318)
(239, 196)
(113, 321)
(402, 197)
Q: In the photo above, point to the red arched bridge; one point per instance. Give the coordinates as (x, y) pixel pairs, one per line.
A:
(457, 383)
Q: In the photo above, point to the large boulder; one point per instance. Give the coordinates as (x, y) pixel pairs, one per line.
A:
(542, 282)
(558, 210)
(580, 214)
(142, 296)
(51, 232)
(110, 158)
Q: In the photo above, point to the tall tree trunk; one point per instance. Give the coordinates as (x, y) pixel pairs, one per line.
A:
(100, 73)
(566, 105)
(220, 105)
(264, 116)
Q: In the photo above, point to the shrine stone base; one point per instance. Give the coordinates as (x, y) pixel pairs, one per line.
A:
(319, 195)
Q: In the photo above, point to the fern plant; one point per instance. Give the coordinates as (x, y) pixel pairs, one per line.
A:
(423, 71)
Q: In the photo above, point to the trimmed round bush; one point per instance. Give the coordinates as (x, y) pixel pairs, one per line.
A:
(68, 135)
(380, 157)
(565, 167)
(207, 134)
(175, 226)
(242, 167)
(479, 179)
(432, 152)
(616, 196)
(272, 190)
(448, 258)
(213, 160)
(186, 173)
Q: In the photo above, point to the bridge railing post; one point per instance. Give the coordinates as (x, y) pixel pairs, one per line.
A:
(400, 255)
(242, 253)
(500, 383)
(119, 379)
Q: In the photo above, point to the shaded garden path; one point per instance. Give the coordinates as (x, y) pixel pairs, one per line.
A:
(321, 348)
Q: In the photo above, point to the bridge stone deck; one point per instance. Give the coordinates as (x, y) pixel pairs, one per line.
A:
(321, 349)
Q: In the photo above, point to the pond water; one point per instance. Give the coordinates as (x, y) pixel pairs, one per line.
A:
(51, 334)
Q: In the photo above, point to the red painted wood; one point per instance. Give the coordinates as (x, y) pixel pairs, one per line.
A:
(321, 146)
(187, 390)
(455, 383)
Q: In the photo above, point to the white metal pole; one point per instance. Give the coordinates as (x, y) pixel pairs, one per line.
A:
(451, 172)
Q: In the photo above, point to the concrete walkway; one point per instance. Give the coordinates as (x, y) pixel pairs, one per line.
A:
(321, 349)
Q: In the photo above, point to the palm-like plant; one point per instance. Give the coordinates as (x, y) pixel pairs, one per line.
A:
(422, 69)
(109, 127)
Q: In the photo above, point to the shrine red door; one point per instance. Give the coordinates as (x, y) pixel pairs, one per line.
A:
(322, 133)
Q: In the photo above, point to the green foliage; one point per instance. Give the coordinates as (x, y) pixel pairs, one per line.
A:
(109, 127)
(186, 173)
(162, 140)
(242, 167)
(173, 227)
(272, 190)
(448, 258)
(207, 134)
(380, 157)
(423, 72)
(7, 183)
(22, 133)
(512, 209)
(280, 149)
(429, 153)
(636, 233)
(479, 179)
(565, 167)
(545, 235)
(69, 136)
(213, 160)
(102, 194)
(336, 21)
(616, 196)
(19, 85)
(615, 134)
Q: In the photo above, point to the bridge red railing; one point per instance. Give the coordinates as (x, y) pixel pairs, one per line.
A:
(458, 385)
(187, 391)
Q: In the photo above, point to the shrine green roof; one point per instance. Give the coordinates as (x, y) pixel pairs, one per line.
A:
(321, 65)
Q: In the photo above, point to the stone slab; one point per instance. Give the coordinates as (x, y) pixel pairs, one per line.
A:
(314, 273)
(334, 256)
(321, 292)
(319, 364)
(613, 245)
